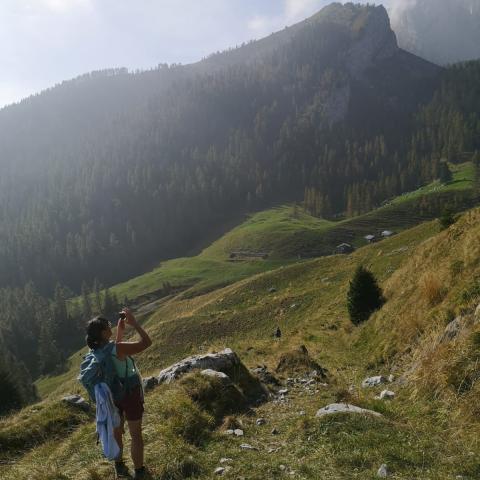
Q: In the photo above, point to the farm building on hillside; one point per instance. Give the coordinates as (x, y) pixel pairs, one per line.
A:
(344, 248)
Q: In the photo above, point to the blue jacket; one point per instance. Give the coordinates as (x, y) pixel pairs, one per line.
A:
(108, 418)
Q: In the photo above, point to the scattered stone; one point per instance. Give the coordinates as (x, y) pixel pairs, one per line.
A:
(274, 431)
(226, 460)
(229, 432)
(293, 305)
(77, 401)
(344, 408)
(282, 467)
(219, 471)
(386, 395)
(238, 432)
(246, 446)
(302, 413)
(374, 381)
(149, 383)
(391, 378)
(272, 290)
(261, 421)
(283, 391)
(382, 471)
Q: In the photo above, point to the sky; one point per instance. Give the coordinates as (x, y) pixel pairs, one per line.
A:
(43, 42)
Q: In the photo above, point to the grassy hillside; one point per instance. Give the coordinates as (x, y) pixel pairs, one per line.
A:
(427, 431)
(286, 233)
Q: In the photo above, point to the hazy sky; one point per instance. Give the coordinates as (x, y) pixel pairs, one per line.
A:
(43, 42)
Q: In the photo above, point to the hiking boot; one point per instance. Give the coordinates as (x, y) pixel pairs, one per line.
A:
(121, 470)
(141, 474)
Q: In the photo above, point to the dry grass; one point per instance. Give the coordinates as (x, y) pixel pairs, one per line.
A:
(432, 289)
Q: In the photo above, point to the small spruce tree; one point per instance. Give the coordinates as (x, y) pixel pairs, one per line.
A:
(364, 295)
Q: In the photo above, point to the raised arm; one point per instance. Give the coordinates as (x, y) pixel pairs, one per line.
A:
(131, 348)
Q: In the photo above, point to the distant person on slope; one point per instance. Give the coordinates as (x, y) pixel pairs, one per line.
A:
(129, 397)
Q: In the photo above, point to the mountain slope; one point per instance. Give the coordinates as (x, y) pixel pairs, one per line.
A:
(115, 165)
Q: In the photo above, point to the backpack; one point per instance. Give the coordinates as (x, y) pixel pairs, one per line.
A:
(97, 367)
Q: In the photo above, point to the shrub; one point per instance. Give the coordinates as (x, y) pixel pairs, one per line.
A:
(364, 296)
(432, 289)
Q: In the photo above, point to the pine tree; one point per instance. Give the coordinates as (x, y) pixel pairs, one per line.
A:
(364, 296)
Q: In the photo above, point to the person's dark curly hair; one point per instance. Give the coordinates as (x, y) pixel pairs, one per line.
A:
(95, 328)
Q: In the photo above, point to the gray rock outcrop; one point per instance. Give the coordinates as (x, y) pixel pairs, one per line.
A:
(224, 361)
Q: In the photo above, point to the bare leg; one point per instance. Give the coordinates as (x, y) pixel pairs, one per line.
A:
(136, 450)
(118, 434)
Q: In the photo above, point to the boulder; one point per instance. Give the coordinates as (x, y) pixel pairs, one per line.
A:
(77, 401)
(344, 408)
(228, 368)
(374, 381)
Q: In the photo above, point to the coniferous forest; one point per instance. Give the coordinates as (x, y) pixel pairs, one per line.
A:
(105, 175)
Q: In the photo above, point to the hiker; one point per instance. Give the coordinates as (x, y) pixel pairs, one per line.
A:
(125, 383)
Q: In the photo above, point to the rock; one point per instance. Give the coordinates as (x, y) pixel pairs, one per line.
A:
(149, 383)
(238, 432)
(229, 432)
(223, 361)
(226, 362)
(223, 377)
(282, 467)
(272, 290)
(261, 421)
(219, 471)
(274, 431)
(386, 395)
(452, 330)
(374, 381)
(226, 460)
(302, 413)
(246, 446)
(77, 401)
(391, 378)
(344, 408)
(283, 391)
(382, 471)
